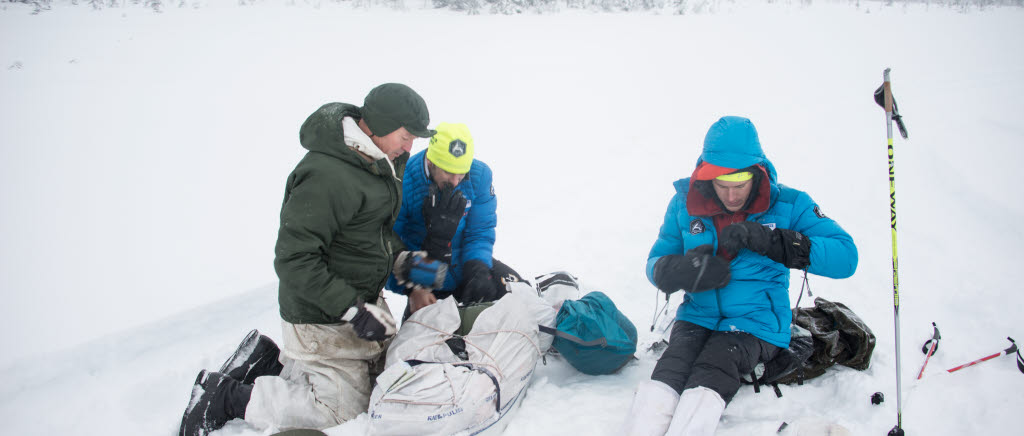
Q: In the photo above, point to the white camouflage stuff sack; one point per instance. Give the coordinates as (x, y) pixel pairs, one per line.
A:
(557, 287)
(426, 389)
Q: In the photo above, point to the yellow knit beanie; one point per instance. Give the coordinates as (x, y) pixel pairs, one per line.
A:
(451, 148)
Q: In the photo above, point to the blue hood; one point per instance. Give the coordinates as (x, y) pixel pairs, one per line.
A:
(732, 142)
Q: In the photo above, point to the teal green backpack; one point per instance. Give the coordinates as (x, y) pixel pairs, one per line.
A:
(593, 335)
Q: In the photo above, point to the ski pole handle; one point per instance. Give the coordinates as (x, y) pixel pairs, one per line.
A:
(887, 104)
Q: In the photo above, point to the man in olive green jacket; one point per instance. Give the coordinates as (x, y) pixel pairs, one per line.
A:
(335, 249)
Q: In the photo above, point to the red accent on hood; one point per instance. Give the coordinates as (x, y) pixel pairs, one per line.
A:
(699, 205)
(708, 171)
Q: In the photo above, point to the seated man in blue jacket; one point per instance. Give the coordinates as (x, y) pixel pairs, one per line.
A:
(730, 237)
(447, 225)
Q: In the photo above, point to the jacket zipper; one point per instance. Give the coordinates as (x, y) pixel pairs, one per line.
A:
(384, 244)
(718, 293)
(721, 316)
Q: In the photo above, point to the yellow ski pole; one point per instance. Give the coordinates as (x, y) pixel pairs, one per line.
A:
(883, 96)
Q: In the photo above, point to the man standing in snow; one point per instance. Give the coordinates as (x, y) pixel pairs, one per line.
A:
(335, 249)
(448, 215)
(729, 239)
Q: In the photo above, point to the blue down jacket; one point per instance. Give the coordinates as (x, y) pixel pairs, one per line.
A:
(474, 238)
(756, 300)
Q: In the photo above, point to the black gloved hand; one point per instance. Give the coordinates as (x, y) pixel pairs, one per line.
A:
(747, 234)
(790, 248)
(442, 211)
(698, 270)
(370, 322)
(478, 284)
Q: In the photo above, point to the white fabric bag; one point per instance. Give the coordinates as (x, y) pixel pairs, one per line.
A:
(427, 389)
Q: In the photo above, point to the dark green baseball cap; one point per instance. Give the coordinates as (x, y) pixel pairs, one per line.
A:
(393, 105)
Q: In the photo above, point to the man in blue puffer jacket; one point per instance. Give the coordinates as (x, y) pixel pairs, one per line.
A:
(447, 223)
(730, 237)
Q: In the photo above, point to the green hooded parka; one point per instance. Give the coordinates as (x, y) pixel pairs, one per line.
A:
(336, 242)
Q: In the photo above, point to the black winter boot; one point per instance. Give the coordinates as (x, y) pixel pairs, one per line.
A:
(216, 399)
(256, 356)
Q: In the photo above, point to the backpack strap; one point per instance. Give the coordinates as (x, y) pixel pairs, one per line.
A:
(774, 385)
(560, 334)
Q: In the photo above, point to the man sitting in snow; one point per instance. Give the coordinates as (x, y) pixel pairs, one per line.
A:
(730, 237)
(447, 222)
(333, 255)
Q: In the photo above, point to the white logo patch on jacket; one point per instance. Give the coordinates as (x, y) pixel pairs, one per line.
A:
(697, 227)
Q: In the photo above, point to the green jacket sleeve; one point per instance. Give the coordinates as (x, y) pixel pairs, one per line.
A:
(313, 212)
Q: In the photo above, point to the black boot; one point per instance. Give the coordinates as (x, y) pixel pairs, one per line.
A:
(216, 399)
(256, 356)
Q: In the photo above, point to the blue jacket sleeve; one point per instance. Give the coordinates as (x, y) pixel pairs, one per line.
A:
(833, 253)
(479, 234)
(669, 240)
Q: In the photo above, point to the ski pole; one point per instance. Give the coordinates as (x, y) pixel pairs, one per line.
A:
(657, 310)
(930, 349)
(883, 96)
(1010, 350)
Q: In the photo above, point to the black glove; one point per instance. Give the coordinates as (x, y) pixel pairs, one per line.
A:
(698, 270)
(790, 248)
(478, 284)
(442, 211)
(370, 322)
(747, 234)
(412, 268)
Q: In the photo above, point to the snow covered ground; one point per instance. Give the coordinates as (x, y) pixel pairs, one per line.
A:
(143, 158)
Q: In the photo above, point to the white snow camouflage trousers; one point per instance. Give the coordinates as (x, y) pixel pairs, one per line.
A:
(326, 380)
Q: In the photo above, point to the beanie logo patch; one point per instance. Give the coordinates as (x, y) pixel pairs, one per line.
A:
(457, 148)
(696, 227)
(818, 212)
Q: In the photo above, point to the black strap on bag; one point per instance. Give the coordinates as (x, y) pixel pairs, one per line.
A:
(558, 333)
(774, 385)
